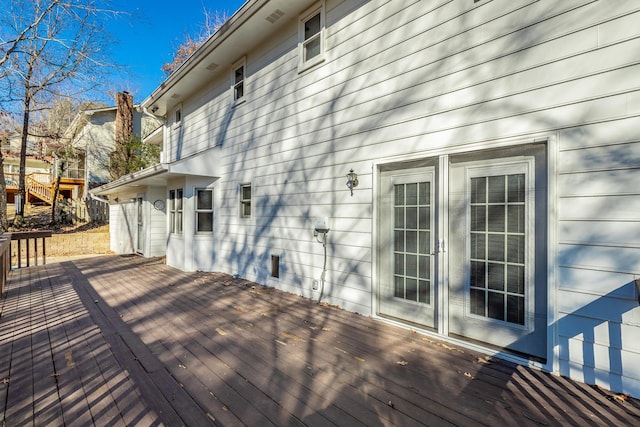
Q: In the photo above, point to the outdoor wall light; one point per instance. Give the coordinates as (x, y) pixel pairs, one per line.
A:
(352, 180)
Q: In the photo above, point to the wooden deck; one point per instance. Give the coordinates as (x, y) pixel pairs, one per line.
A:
(129, 341)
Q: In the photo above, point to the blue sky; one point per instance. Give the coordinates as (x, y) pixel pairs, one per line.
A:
(148, 36)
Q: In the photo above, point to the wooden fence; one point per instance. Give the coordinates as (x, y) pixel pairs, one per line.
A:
(88, 210)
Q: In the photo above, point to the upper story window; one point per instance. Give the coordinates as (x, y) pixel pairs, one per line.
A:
(245, 200)
(177, 116)
(311, 37)
(175, 211)
(204, 210)
(238, 80)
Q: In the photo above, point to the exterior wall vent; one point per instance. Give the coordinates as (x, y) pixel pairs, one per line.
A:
(275, 266)
(275, 16)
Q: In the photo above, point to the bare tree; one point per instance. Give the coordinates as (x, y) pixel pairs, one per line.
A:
(11, 40)
(58, 49)
(4, 139)
(212, 22)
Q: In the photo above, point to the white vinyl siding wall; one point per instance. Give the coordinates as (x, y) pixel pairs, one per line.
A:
(406, 79)
(157, 229)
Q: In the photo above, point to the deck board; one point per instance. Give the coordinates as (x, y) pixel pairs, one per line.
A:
(129, 341)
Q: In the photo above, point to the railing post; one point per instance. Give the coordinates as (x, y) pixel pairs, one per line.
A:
(5, 261)
(35, 249)
(26, 236)
(28, 253)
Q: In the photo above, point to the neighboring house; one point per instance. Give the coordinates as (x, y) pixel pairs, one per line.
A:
(497, 152)
(38, 169)
(92, 134)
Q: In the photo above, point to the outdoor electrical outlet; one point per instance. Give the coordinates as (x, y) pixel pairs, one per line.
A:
(315, 285)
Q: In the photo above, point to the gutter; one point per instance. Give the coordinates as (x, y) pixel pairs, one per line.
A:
(132, 177)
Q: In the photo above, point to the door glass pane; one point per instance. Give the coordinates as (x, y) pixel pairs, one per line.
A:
(515, 309)
(515, 218)
(412, 194)
(478, 218)
(423, 292)
(478, 272)
(497, 251)
(478, 190)
(516, 188)
(477, 305)
(495, 189)
(496, 218)
(398, 192)
(495, 305)
(495, 247)
(411, 241)
(398, 287)
(412, 217)
(412, 246)
(496, 276)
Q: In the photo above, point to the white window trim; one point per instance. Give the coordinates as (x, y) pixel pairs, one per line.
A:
(177, 111)
(173, 211)
(242, 62)
(196, 211)
(242, 201)
(309, 13)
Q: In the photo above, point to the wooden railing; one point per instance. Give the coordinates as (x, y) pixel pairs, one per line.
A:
(5, 261)
(25, 248)
(43, 191)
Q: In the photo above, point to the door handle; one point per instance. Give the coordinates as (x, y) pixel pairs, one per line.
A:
(439, 247)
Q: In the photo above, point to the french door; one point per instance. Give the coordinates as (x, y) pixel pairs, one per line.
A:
(406, 255)
(462, 248)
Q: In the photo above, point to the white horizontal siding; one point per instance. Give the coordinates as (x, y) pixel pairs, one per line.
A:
(157, 229)
(415, 78)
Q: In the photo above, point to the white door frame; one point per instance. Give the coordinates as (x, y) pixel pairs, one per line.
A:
(413, 160)
(141, 222)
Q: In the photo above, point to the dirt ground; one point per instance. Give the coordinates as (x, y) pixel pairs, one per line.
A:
(39, 218)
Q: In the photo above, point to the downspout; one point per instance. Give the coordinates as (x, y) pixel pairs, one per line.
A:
(147, 113)
(98, 198)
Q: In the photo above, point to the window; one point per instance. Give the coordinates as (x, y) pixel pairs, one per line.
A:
(204, 210)
(238, 80)
(177, 116)
(175, 211)
(245, 200)
(311, 42)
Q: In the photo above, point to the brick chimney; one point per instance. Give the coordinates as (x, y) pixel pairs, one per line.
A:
(124, 116)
